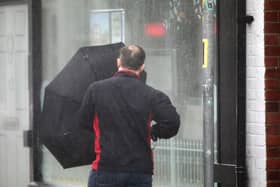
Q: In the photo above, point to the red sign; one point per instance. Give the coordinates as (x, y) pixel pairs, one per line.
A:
(155, 29)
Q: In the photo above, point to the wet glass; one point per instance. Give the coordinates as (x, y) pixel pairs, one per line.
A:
(171, 32)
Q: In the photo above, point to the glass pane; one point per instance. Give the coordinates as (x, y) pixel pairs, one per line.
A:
(171, 32)
(3, 81)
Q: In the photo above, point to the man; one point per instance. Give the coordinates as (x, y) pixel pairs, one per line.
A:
(119, 111)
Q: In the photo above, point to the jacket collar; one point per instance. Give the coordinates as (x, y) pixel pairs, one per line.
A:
(127, 73)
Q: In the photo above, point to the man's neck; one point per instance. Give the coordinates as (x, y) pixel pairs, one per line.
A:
(137, 72)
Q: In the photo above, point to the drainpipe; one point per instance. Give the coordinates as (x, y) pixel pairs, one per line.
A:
(208, 35)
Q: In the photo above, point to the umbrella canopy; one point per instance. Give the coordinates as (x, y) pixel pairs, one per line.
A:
(59, 130)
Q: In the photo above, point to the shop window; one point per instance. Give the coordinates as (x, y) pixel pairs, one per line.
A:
(171, 33)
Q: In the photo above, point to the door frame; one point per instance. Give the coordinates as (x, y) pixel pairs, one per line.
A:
(231, 167)
(34, 79)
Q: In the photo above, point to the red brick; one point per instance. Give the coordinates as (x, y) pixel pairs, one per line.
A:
(273, 163)
(273, 175)
(272, 39)
(272, 27)
(272, 95)
(272, 73)
(273, 117)
(272, 107)
(272, 140)
(271, 61)
(272, 51)
(273, 184)
(273, 152)
(273, 130)
(272, 5)
(271, 16)
(272, 84)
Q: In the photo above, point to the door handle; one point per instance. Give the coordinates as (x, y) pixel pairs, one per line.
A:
(27, 138)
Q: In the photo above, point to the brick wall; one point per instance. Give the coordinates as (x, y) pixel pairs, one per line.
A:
(255, 139)
(272, 90)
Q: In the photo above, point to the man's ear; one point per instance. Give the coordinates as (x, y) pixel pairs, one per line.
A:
(119, 63)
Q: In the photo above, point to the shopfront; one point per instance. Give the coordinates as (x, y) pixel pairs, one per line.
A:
(171, 33)
(188, 43)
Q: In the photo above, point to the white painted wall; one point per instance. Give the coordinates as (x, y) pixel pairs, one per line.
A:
(256, 146)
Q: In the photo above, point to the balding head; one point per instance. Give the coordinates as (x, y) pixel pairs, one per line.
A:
(132, 57)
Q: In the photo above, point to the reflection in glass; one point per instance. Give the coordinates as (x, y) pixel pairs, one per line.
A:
(99, 28)
(171, 32)
(106, 26)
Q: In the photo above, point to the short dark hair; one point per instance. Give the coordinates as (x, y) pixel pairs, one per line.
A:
(132, 57)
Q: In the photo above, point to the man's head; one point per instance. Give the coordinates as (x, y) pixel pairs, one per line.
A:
(132, 57)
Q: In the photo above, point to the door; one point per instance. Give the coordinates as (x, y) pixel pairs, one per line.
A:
(14, 96)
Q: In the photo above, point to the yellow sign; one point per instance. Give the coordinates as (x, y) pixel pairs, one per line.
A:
(205, 53)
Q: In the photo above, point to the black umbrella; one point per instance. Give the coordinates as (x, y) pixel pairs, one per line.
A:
(59, 129)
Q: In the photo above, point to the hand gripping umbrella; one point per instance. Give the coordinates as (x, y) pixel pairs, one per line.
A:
(59, 130)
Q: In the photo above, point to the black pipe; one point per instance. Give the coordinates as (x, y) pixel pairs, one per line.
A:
(230, 169)
(241, 172)
(35, 42)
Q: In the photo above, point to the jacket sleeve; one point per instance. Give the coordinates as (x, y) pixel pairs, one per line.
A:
(165, 115)
(86, 111)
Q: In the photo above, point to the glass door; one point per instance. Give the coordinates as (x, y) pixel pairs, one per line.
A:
(14, 95)
(171, 32)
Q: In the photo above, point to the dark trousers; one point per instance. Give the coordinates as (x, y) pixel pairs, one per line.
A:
(118, 179)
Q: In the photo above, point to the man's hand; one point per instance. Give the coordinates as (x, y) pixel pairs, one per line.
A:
(154, 134)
